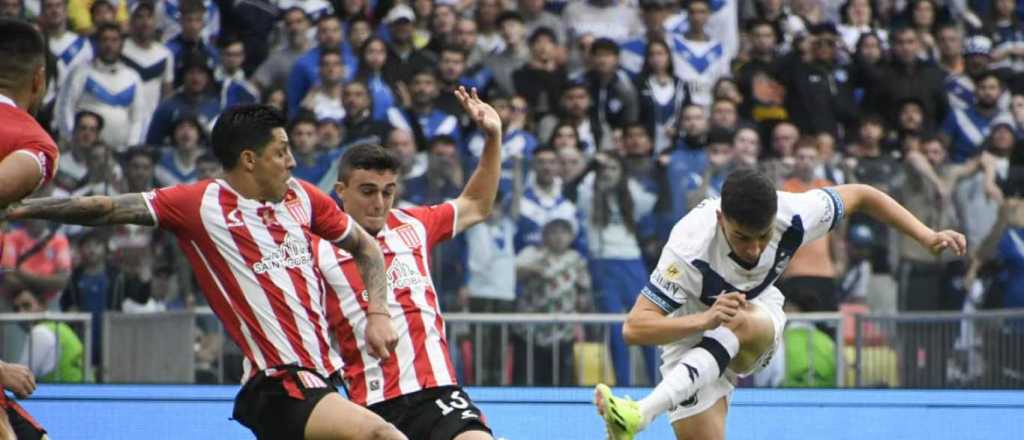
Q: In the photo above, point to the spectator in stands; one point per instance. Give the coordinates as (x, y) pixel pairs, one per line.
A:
(709, 179)
(613, 94)
(661, 93)
(488, 33)
(1002, 244)
(324, 98)
(517, 143)
(979, 196)
(108, 87)
(964, 61)
(858, 19)
(139, 169)
(386, 89)
(196, 99)
(573, 164)
(637, 156)
(452, 73)
(305, 72)
(536, 17)
(311, 163)
(192, 43)
(359, 125)
(442, 27)
(36, 257)
(746, 144)
(102, 177)
(274, 70)
(868, 59)
(870, 164)
(85, 135)
(612, 205)
(556, 280)
(543, 200)
(53, 351)
(68, 48)
(779, 161)
(1003, 27)
(564, 137)
(467, 39)
(724, 115)
(13, 9)
(810, 279)
(405, 56)
(150, 58)
(513, 56)
(684, 160)
(178, 164)
(907, 77)
(757, 77)
(543, 77)
(576, 108)
(443, 178)
(414, 162)
(95, 287)
(235, 88)
(966, 128)
(208, 167)
(818, 95)
(703, 60)
(423, 118)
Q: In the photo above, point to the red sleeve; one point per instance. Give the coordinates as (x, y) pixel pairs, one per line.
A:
(175, 207)
(36, 142)
(327, 220)
(438, 219)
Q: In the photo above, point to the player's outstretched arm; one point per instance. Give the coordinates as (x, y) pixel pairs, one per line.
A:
(647, 324)
(881, 207)
(380, 334)
(477, 198)
(89, 211)
(20, 175)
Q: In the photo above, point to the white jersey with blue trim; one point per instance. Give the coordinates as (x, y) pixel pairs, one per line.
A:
(697, 263)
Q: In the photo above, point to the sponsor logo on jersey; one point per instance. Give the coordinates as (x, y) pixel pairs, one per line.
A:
(403, 276)
(664, 283)
(291, 253)
(374, 384)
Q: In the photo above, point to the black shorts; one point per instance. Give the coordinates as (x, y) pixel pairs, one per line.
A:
(277, 402)
(439, 413)
(23, 425)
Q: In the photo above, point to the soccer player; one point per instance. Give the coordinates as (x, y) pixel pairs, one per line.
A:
(711, 301)
(28, 159)
(248, 237)
(415, 389)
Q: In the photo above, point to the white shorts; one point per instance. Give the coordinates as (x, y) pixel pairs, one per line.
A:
(770, 301)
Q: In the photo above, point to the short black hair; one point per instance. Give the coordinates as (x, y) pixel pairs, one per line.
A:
(542, 32)
(244, 127)
(302, 118)
(143, 6)
(99, 3)
(191, 7)
(604, 45)
(207, 157)
(88, 113)
(441, 139)
(108, 27)
(544, 149)
(749, 199)
(22, 51)
(367, 157)
(989, 74)
(453, 49)
(132, 153)
(508, 15)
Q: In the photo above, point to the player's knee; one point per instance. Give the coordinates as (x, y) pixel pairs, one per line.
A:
(385, 431)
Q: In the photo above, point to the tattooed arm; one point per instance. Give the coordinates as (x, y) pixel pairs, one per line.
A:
(89, 211)
(380, 334)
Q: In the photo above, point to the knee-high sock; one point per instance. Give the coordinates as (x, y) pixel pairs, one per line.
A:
(699, 366)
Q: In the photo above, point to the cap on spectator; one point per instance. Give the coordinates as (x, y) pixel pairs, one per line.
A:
(398, 13)
(824, 28)
(977, 45)
(604, 45)
(509, 15)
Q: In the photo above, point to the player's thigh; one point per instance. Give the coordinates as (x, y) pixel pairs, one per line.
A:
(707, 425)
(6, 432)
(474, 435)
(335, 418)
(756, 333)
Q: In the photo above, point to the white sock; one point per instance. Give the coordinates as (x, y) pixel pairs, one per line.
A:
(699, 366)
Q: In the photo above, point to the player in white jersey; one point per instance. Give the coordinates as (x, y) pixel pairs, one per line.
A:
(415, 388)
(711, 301)
(248, 236)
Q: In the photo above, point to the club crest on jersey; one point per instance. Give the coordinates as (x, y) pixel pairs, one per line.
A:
(295, 208)
(291, 253)
(409, 236)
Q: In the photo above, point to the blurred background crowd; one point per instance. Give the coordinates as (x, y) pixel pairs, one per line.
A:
(619, 115)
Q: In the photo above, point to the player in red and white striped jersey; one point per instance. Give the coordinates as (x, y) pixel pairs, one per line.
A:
(415, 389)
(28, 159)
(249, 240)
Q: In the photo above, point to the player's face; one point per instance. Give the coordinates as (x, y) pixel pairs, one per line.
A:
(368, 195)
(745, 242)
(273, 167)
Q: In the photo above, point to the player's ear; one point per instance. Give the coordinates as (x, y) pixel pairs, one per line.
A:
(720, 217)
(39, 80)
(247, 159)
(339, 186)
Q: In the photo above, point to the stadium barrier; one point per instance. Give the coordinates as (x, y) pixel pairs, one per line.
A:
(16, 327)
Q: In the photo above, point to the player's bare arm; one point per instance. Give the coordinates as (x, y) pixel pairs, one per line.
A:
(380, 334)
(21, 176)
(882, 207)
(477, 198)
(89, 211)
(647, 324)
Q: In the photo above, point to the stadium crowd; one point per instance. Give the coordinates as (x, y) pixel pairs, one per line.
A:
(619, 117)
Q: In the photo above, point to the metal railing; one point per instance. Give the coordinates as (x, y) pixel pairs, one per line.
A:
(81, 322)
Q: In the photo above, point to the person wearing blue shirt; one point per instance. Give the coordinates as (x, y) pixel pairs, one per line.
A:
(306, 70)
(544, 201)
(178, 164)
(517, 144)
(311, 164)
(380, 76)
(194, 99)
(967, 128)
(424, 119)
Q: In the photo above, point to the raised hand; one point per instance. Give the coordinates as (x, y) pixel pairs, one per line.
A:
(482, 114)
(940, 241)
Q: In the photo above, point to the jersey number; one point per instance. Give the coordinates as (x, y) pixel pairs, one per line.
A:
(455, 402)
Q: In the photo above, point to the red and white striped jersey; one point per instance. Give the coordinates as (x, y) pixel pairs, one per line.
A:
(254, 262)
(421, 358)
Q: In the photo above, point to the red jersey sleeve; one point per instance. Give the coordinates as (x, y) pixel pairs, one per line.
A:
(327, 220)
(174, 207)
(23, 135)
(439, 220)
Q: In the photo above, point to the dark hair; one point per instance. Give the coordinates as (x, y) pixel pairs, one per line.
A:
(304, 117)
(871, 118)
(554, 132)
(225, 41)
(454, 49)
(988, 74)
(691, 2)
(442, 139)
(542, 32)
(647, 70)
(145, 5)
(757, 22)
(22, 50)
(508, 15)
(544, 149)
(367, 157)
(108, 27)
(85, 113)
(141, 151)
(602, 211)
(749, 198)
(207, 157)
(388, 71)
(98, 3)
(244, 127)
(604, 45)
(550, 226)
(327, 17)
(191, 7)
(329, 53)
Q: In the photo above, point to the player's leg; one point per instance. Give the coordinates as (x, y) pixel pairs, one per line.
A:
(6, 433)
(334, 418)
(756, 332)
(707, 425)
